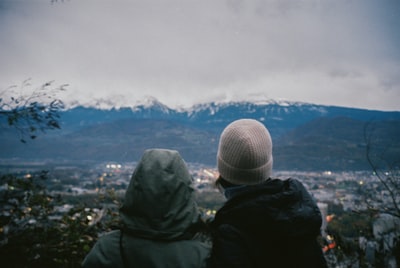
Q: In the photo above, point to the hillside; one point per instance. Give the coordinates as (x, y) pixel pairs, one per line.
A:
(306, 137)
(336, 144)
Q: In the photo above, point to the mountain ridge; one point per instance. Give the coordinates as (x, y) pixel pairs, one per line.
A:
(305, 136)
(279, 116)
(150, 101)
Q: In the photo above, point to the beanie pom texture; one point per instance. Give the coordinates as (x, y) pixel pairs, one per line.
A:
(245, 152)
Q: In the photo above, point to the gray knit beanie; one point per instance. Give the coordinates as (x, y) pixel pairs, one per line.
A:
(245, 152)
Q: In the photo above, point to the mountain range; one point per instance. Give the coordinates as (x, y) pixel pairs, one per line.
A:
(305, 136)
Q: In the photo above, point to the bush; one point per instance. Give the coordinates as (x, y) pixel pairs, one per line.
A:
(40, 230)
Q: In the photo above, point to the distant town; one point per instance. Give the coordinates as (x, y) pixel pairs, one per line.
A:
(76, 179)
(344, 189)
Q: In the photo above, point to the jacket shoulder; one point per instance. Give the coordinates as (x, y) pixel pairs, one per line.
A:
(105, 253)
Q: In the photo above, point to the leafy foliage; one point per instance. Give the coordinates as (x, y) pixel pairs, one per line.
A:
(36, 232)
(351, 225)
(32, 112)
(344, 231)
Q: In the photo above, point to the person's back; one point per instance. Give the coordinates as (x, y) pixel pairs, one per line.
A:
(265, 222)
(272, 224)
(160, 217)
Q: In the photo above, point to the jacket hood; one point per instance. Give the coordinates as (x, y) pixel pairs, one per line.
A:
(275, 208)
(159, 202)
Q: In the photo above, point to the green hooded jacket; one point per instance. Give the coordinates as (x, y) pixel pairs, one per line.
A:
(160, 218)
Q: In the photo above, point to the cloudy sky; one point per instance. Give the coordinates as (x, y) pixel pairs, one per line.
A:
(333, 52)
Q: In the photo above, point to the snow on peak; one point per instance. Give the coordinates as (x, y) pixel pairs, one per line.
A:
(150, 102)
(212, 107)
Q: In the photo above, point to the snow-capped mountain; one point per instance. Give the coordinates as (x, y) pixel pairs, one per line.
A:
(305, 136)
(278, 116)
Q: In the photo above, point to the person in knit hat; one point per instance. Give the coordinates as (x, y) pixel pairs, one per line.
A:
(265, 222)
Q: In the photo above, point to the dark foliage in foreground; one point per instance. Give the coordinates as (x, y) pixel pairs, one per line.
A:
(35, 232)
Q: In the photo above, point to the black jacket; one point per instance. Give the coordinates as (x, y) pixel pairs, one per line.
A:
(274, 224)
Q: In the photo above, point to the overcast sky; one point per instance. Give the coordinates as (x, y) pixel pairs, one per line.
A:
(333, 52)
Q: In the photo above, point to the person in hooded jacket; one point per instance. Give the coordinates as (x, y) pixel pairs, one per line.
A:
(265, 222)
(161, 220)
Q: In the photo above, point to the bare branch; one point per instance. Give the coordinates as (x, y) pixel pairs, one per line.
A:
(37, 110)
(388, 174)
